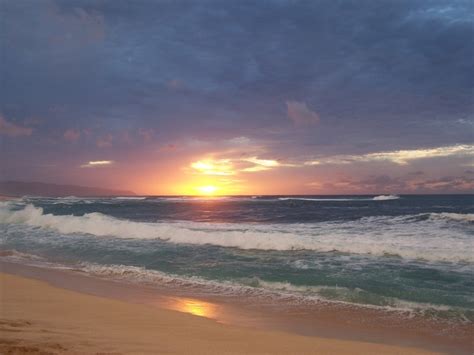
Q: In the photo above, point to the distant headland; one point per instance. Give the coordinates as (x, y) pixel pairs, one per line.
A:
(20, 188)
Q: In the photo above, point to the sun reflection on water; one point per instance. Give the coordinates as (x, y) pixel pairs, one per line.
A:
(195, 307)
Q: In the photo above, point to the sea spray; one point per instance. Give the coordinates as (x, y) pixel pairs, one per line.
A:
(412, 253)
(404, 236)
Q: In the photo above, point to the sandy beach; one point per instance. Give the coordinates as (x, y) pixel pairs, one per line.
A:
(37, 318)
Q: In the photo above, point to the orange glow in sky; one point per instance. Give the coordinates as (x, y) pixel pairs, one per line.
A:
(223, 173)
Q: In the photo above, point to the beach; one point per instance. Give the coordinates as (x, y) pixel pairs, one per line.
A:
(37, 318)
(237, 275)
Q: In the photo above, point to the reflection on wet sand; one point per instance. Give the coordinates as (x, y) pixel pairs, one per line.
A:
(193, 306)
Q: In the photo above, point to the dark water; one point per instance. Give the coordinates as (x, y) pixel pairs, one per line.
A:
(411, 252)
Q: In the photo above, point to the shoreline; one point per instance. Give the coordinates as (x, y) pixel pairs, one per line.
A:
(37, 317)
(327, 326)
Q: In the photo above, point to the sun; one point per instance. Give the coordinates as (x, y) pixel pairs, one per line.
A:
(207, 190)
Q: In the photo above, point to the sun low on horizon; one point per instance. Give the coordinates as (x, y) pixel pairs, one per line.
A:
(229, 175)
(207, 190)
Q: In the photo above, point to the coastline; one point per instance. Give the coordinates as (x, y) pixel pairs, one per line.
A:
(37, 317)
(88, 306)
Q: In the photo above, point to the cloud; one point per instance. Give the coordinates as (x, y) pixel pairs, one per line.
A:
(408, 183)
(370, 184)
(97, 163)
(447, 183)
(401, 157)
(226, 167)
(220, 167)
(217, 70)
(239, 141)
(13, 130)
(300, 114)
(263, 162)
(260, 164)
(72, 135)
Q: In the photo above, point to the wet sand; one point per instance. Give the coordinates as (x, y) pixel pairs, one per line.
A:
(40, 315)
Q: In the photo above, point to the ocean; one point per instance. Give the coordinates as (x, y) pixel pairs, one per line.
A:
(412, 254)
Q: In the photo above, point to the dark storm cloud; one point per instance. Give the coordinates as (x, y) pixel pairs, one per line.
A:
(373, 75)
(351, 59)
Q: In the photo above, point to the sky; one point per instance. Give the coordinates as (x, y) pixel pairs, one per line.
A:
(239, 97)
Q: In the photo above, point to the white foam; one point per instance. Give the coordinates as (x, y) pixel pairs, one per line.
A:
(129, 198)
(386, 197)
(320, 199)
(255, 287)
(467, 217)
(376, 198)
(408, 237)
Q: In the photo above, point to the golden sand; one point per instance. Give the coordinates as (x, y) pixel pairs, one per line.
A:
(37, 318)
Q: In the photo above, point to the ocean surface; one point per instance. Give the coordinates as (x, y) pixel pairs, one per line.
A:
(409, 253)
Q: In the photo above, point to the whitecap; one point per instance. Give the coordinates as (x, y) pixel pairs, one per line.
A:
(410, 237)
(386, 197)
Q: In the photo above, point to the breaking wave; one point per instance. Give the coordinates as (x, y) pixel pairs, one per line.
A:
(256, 287)
(285, 293)
(342, 199)
(129, 198)
(320, 199)
(432, 236)
(467, 217)
(386, 197)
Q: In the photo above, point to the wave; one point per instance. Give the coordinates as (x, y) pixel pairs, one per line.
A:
(251, 286)
(190, 199)
(467, 217)
(129, 198)
(429, 236)
(285, 293)
(320, 199)
(67, 200)
(376, 198)
(14, 255)
(386, 197)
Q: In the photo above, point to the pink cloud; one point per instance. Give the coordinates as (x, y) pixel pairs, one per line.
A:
(72, 135)
(300, 114)
(13, 130)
